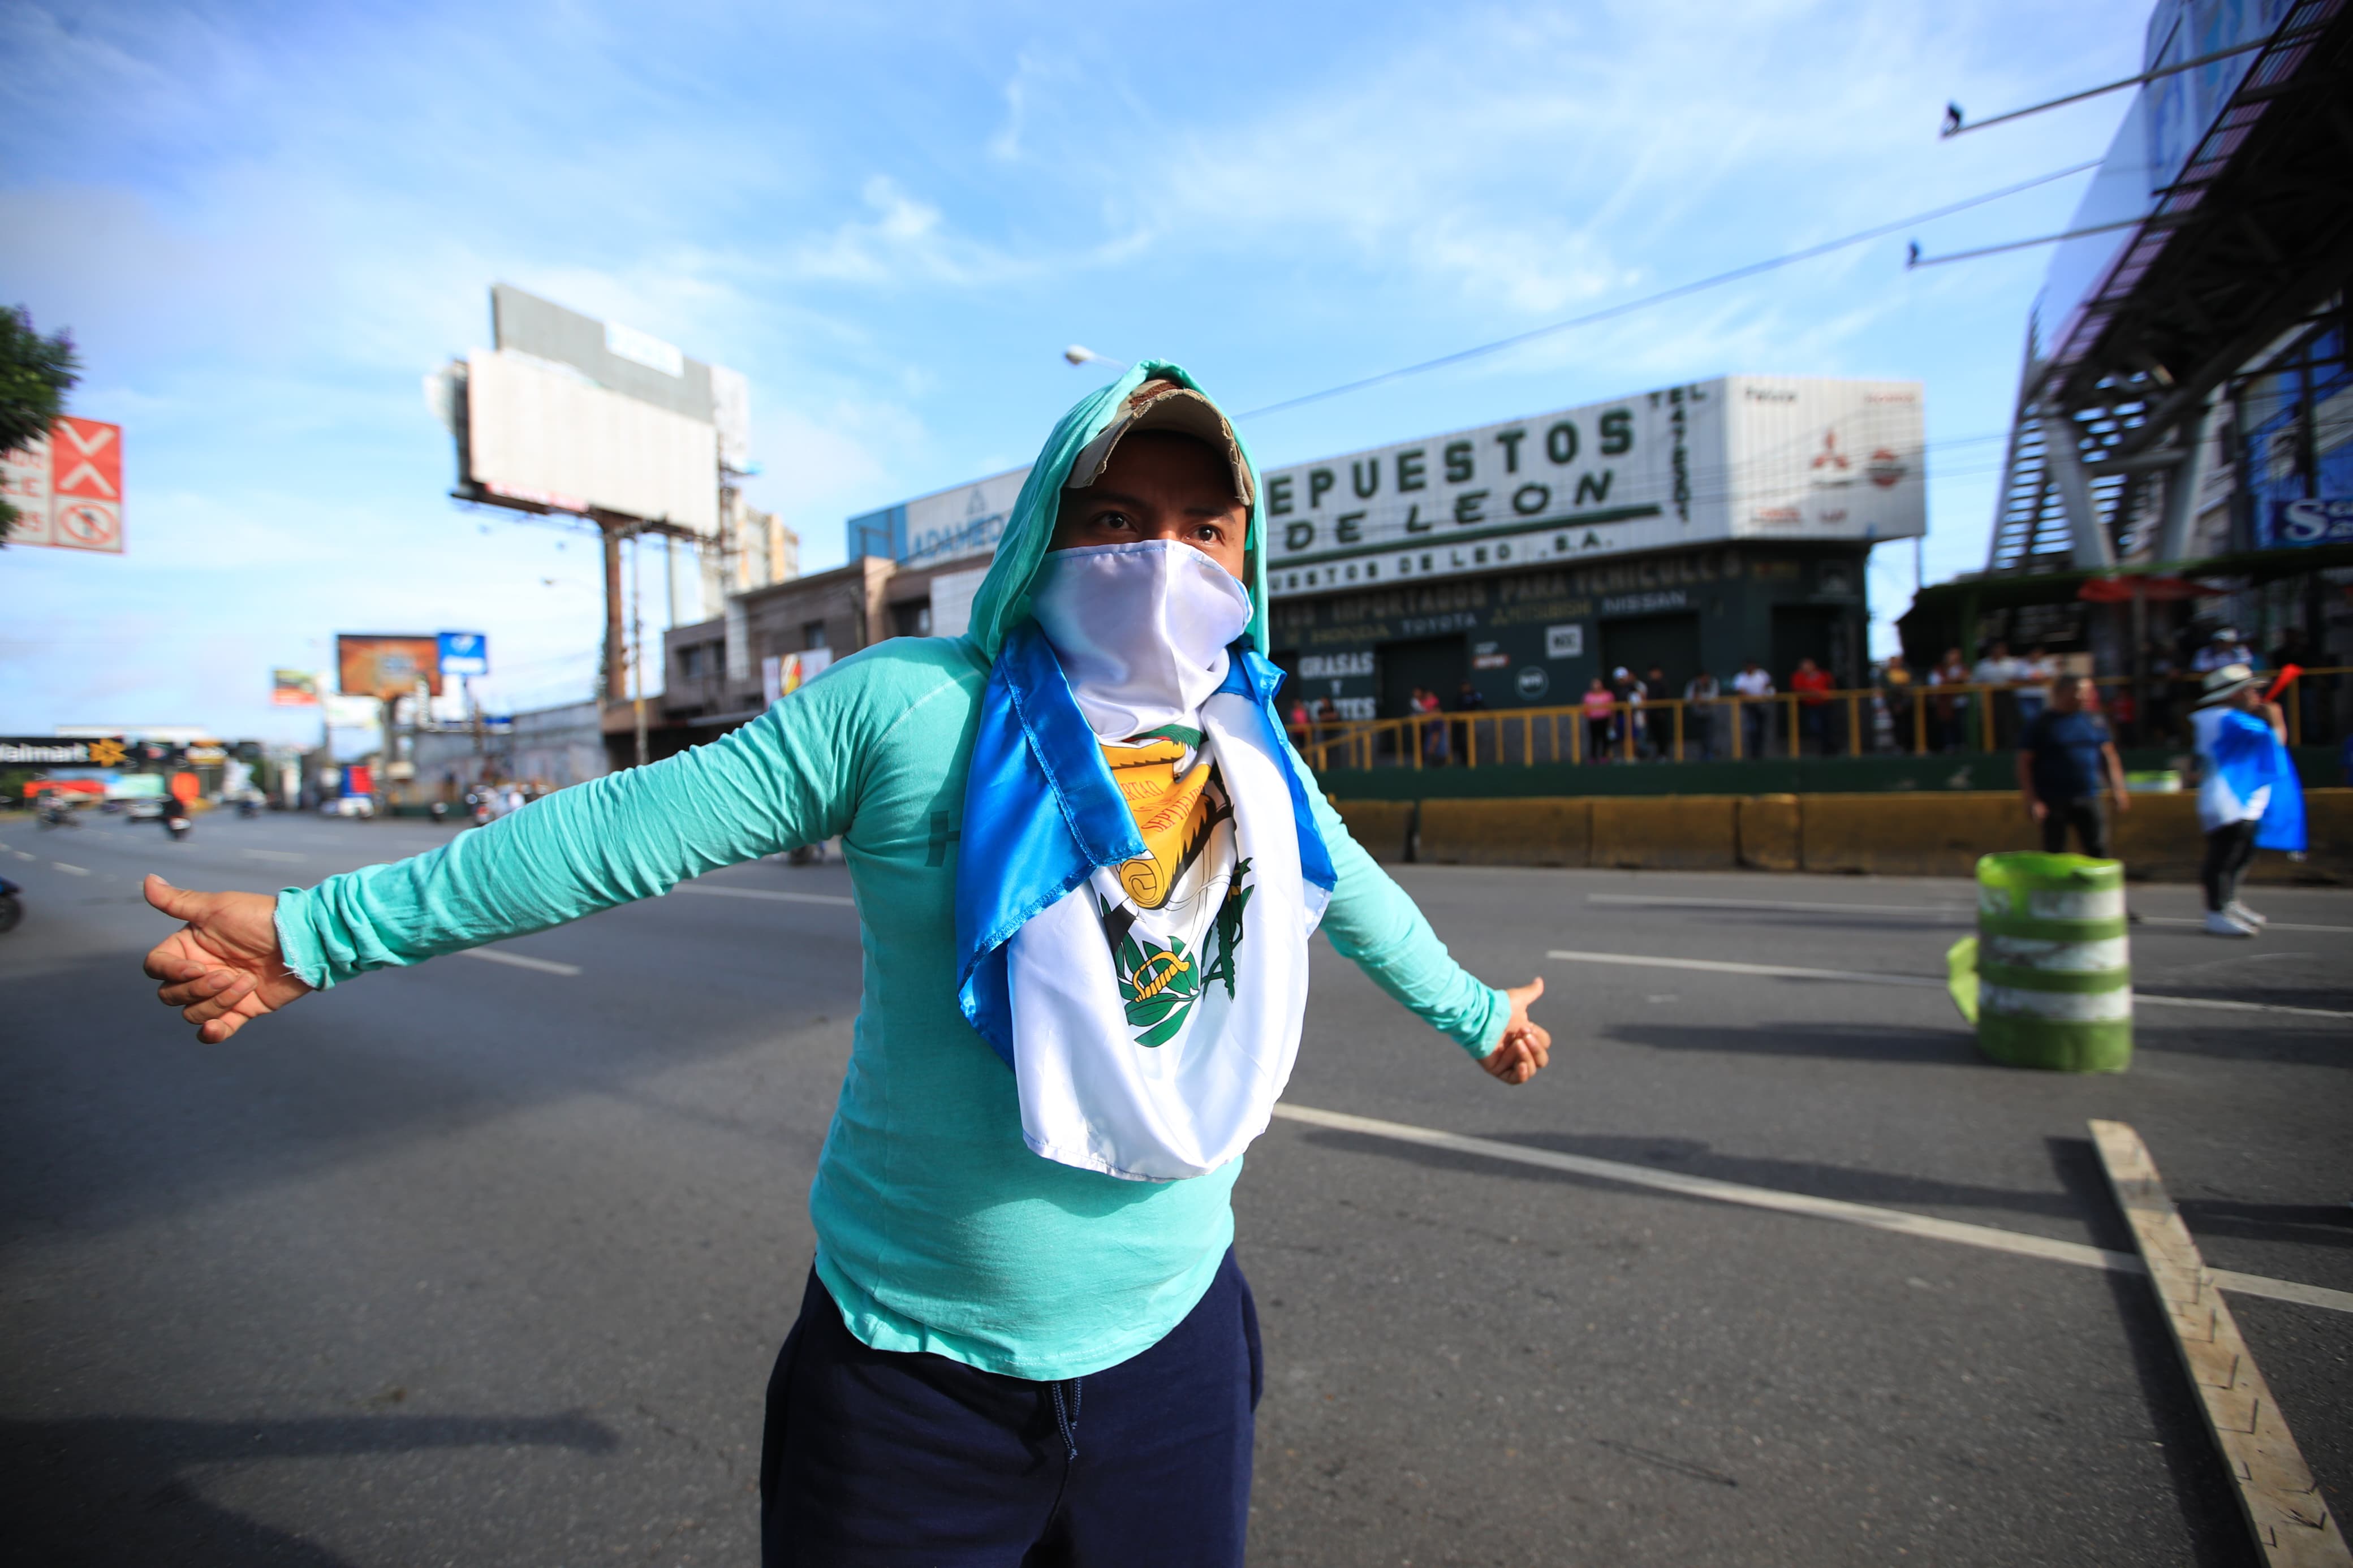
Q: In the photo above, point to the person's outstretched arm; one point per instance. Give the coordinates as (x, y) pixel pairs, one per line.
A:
(785, 779)
(1374, 925)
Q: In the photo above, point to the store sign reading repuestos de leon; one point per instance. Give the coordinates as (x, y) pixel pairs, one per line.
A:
(1738, 457)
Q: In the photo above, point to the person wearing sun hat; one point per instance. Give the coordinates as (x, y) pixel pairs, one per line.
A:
(2248, 794)
(1088, 864)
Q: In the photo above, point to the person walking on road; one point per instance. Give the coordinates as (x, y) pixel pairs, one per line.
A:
(2249, 797)
(1087, 867)
(2065, 758)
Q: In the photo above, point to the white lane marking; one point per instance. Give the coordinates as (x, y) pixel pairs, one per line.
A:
(1638, 899)
(1772, 971)
(2200, 919)
(1917, 982)
(766, 893)
(71, 870)
(1902, 1223)
(544, 966)
(276, 855)
(20, 855)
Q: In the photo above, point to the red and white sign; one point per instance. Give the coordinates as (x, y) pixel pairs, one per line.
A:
(67, 488)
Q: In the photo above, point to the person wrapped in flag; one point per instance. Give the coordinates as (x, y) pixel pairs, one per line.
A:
(2249, 796)
(1088, 863)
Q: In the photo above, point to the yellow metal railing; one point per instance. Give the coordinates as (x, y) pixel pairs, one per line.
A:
(1674, 727)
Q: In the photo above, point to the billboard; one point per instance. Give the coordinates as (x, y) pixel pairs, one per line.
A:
(293, 688)
(544, 433)
(1739, 457)
(571, 414)
(68, 487)
(375, 665)
(464, 653)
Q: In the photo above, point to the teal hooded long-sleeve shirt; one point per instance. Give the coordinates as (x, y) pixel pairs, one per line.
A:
(937, 1228)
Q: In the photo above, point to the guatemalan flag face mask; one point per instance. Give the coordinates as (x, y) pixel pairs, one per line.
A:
(1156, 1006)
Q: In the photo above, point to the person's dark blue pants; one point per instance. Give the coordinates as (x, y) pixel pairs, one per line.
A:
(897, 1459)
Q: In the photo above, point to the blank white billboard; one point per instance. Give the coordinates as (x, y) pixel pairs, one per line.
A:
(539, 431)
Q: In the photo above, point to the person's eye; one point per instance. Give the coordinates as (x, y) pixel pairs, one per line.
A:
(1113, 519)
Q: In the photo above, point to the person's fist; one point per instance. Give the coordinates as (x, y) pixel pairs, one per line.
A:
(224, 967)
(1526, 1045)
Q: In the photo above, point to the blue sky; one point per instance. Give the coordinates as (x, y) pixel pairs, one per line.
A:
(264, 224)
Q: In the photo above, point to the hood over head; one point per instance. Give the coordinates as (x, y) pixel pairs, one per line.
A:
(1003, 602)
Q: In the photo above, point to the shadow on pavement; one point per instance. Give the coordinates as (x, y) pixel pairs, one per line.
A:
(111, 1491)
(1835, 1042)
(110, 1110)
(2316, 1224)
(1691, 1157)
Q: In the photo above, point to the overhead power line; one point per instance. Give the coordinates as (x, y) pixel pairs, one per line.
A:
(1955, 126)
(1679, 291)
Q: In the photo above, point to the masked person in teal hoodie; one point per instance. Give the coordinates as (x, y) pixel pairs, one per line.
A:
(1087, 864)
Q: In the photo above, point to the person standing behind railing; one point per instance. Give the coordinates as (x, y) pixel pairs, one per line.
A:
(1756, 715)
(1468, 699)
(1599, 708)
(1896, 694)
(2035, 672)
(1811, 682)
(1951, 714)
(1659, 723)
(1434, 749)
(1999, 672)
(1702, 709)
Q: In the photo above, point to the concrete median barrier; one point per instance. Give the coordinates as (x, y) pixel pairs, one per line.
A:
(1538, 832)
(1770, 828)
(1941, 835)
(1666, 833)
(1381, 826)
(1884, 834)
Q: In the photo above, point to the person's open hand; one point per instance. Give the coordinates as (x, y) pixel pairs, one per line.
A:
(224, 965)
(1526, 1045)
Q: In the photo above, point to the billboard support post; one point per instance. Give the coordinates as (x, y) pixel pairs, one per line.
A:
(638, 647)
(615, 530)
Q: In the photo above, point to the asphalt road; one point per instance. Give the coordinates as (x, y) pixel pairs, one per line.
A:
(486, 1263)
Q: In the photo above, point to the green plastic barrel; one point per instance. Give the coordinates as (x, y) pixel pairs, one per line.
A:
(2054, 967)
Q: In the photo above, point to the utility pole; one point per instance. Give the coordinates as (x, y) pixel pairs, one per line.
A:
(638, 663)
(614, 527)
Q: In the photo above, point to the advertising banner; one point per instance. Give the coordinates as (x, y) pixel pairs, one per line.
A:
(340, 713)
(58, 751)
(68, 487)
(293, 688)
(375, 665)
(2315, 520)
(782, 674)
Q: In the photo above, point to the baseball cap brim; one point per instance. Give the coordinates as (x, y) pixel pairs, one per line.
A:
(1179, 411)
